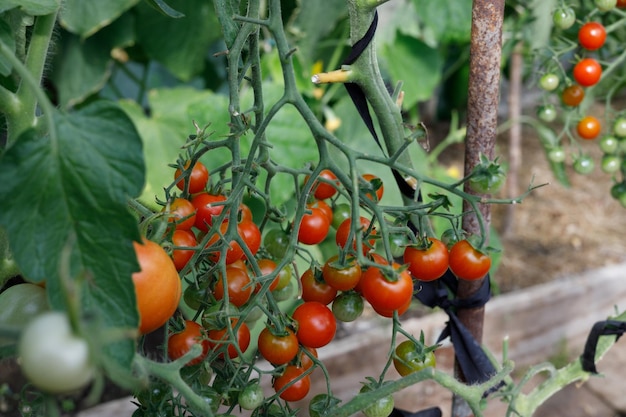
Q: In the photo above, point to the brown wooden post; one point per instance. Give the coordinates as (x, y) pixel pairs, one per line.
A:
(482, 122)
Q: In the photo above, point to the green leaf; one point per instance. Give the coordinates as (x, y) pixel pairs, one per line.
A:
(414, 63)
(31, 7)
(166, 131)
(6, 37)
(81, 68)
(164, 8)
(84, 18)
(450, 21)
(68, 195)
(179, 44)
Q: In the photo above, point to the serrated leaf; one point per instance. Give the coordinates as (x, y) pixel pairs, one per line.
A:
(6, 37)
(450, 21)
(31, 7)
(68, 194)
(414, 63)
(165, 9)
(84, 18)
(81, 68)
(179, 44)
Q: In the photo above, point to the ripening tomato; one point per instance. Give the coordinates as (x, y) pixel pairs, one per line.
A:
(410, 357)
(183, 239)
(466, 262)
(387, 294)
(376, 185)
(181, 212)
(278, 348)
(314, 227)
(219, 338)
(326, 188)
(342, 277)
(207, 207)
(366, 229)
(314, 288)
(587, 72)
(573, 95)
(198, 177)
(157, 286)
(238, 284)
(588, 127)
(292, 384)
(429, 263)
(178, 344)
(316, 324)
(592, 35)
(621, 4)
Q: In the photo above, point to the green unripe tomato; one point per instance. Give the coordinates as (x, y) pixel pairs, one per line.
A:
(556, 154)
(380, 408)
(251, 397)
(611, 164)
(605, 5)
(549, 82)
(564, 17)
(609, 144)
(584, 165)
(619, 127)
(547, 113)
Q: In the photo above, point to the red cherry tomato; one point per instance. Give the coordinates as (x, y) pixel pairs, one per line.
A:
(198, 178)
(218, 338)
(468, 263)
(588, 127)
(251, 235)
(239, 286)
(234, 251)
(387, 294)
(591, 35)
(180, 343)
(324, 189)
(343, 232)
(322, 205)
(183, 239)
(377, 184)
(303, 360)
(298, 384)
(314, 227)
(278, 349)
(314, 288)
(342, 277)
(587, 72)
(267, 266)
(182, 212)
(429, 263)
(207, 206)
(316, 324)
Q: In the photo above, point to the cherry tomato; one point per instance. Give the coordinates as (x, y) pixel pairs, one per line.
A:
(342, 277)
(591, 35)
(380, 408)
(157, 286)
(410, 358)
(314, 227)
(244, 213)
(618, 192)
(267, 266)
(621, 4)
(375, 185)
(251, 397)
(587, 72)
(234, 251)
(316, 324)
(52, 357)
(324, 189)
(564, 17)
(181, 212)
(180, 343)
(584, 165)
(468, 263)
(348, 306)
(278, 349)
(239, 286)
(619, 127)
(605, 5)
(198, 178)
(303, 360)
(207, 206)
(427, 264)
(314, 288)
(343, 233)
(556, 154)
(276, 243)
(183, 239)
(611, 164)
(251, 235)
(219, 338)
(573, 95)
(549, 82)
(296, 382)
(387, 294)
(609, 144)
(389, 313)
(341, 212)
(588, 127)
(547, 113)
(322, 205)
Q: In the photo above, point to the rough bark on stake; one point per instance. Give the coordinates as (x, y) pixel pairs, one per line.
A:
(482, 121)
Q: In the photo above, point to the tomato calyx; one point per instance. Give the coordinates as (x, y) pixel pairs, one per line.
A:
(487, 177)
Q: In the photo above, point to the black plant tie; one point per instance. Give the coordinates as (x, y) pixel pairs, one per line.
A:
(601, 328)
(429, 412)
(360, 101)
(472, 359)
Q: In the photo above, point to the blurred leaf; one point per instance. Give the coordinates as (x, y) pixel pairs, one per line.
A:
(450, 21)
(82, 67)
(414, 63)
(6, 37)
(164, 8)
(84, 18)
(179, 44)
(31, 7)
(71, 197)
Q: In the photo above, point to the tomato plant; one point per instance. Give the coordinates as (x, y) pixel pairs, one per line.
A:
(157, 286)
(292, 384)
(429, 262)
(316, 324)
(587, 72)
(466, 262)
(278, 348)
(178, 344)
(60, 365)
